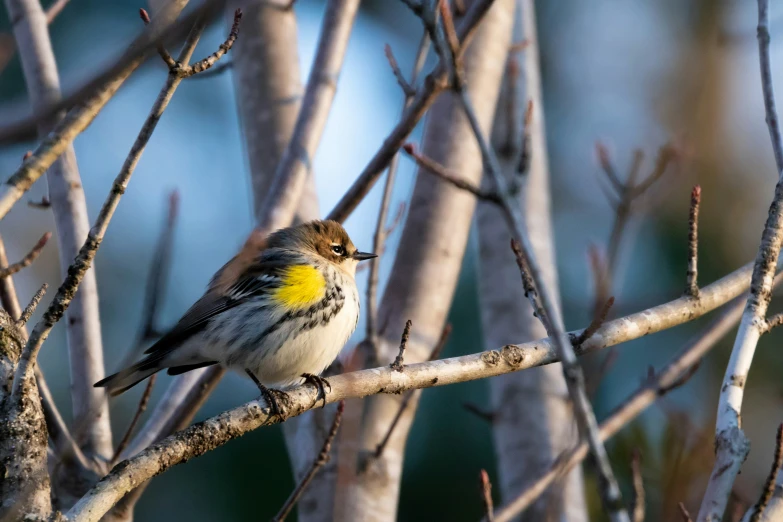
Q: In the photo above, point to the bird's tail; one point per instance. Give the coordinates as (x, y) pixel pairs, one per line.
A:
(132, 375)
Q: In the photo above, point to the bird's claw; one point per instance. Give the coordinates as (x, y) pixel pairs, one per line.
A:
(320, 383)
(272, 396)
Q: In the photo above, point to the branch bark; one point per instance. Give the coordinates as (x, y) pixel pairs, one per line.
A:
(731, 444)
(100, 90)
(533, 419)
(205, 436)
(83, 327)
(422, 281)
(269, 97)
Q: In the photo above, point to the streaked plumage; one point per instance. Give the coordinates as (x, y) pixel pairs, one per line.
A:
(281, 310)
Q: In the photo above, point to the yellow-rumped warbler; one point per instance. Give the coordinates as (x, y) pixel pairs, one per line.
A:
(279, 311)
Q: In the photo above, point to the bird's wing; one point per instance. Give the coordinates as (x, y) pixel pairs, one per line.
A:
(260, 278)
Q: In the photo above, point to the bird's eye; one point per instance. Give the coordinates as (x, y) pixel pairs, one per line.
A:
(338, 249)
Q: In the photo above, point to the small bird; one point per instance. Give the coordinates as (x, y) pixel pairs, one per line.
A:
(279, 312)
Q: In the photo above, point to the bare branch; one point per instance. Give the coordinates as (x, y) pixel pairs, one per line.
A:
(762, 33)
(672, 374)
(553, 322)
(398, 361)
(28, 259)
(209, 61)
(292, 171)
(691, 285)
(637, 511)
(407, 89)
(320, 461)
(145, 398)
(83, 261)
(381, 233)
(686, 516)
(438, 170)
(434, 84)
(170, 62)
(769, 485)
(85, 104)
(30, 308)
(54, 9)
(595, 324)
(203, 437)
(486, 494)
(731, 444)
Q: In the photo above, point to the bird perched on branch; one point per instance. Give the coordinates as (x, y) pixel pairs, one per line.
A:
(280, 312)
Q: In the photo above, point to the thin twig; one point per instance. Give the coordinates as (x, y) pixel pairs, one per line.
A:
(769, 485)
(55, 9)
(595, 324)
(731, 443)
(407, 90)
(479, 412)
(381, 233)
(205, 63)
(433, 85)
(433, 167)
(397, 364)
(83, 261)
(771, 113)
(28, 259)
(691, 276)
(215, 71)
(140, 409)
(773, 322)
(320, 461)
(409, 395)
(637, 511)
(686, 516)
(486, 496)
(30, 308)
(155, 290)
(170, 62)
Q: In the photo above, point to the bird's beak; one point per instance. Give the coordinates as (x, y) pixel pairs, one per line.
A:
(361, 256)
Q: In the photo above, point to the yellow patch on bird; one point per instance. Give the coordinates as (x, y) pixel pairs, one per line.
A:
(302, 286)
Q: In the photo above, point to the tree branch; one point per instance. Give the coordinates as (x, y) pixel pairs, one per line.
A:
(205, 436)
(87, 252)
(87, 101)
(670, 376)
(731, 444)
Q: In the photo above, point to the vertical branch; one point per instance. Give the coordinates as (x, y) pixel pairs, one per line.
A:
(296, 163)
(692, 275)
(434, 238)
(731, 444)
(533, 420)
(379, 238)
(83, 327)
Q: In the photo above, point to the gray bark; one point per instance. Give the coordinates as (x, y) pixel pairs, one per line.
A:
(533, 420)
(434, 238)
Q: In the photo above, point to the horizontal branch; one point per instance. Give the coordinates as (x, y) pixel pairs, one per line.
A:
(205, 436)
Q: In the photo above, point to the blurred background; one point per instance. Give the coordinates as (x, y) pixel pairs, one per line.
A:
(631, 74)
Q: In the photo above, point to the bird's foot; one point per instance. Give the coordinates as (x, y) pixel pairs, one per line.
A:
(320, 383)
(272, 396)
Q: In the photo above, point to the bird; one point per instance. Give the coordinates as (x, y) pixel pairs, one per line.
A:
(279, 311)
